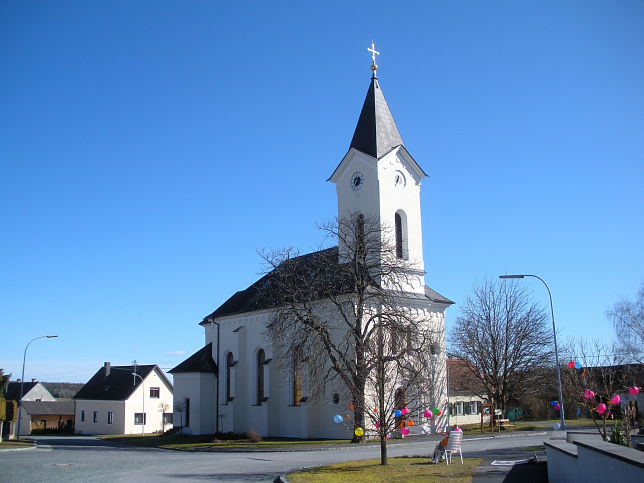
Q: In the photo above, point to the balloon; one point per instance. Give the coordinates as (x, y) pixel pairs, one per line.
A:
(556, 426)
(410, 423)
(404, 411)
(553, 402)
(428, 414)
(351, 406)
(577, 365)
(348, 416)
(387, 437)
(583, 373)
(377, 425)
(588, 394)
(337, 418)
(457, 429)
(571, 364)
(634, 390)
(557, 407)
(615, 399)
(359, 432)
(397, 413)
(440, 411)
(375, 410)
(435, 411)
(404, 431)
(601, 408)
(578, 411)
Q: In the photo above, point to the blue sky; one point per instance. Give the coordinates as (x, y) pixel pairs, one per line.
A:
(148, 149)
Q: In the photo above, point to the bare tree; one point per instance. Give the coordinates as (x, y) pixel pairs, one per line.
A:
(343, 315)
(594, 375)
(163, 407)
(628, 321)
(504, 337)
(179, 406)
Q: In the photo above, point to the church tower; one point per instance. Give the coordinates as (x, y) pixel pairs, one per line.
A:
(380, 179)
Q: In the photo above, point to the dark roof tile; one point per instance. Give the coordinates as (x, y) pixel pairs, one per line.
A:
(200, 361)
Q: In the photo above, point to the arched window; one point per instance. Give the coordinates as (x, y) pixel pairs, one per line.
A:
(399, 236)
(261, 359)
(229, 368)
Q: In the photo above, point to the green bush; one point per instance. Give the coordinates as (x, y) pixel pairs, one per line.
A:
(3, 409)
(617, 437)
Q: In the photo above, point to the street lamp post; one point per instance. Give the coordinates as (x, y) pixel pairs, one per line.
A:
(142, 403)
(22, 380)
(554, 334)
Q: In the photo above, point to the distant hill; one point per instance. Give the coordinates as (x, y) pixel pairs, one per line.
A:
(63, 390)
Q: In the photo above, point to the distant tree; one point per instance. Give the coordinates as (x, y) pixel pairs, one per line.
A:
(4, 382)
(340, 317)
(628, 321)
(505, 339)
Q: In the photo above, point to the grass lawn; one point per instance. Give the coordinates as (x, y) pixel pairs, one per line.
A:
(207, 443)
(16, 444)
(527, 426)
(398, 469)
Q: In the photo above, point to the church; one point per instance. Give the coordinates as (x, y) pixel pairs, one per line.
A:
(235, 383)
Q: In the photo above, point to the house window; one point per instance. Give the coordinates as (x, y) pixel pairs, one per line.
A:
(261, 358)
(82, 415)
(110, 417)
(167, 418)
(155, 392)
(187, 411)
(336, 398)
(95, 417)
(229, 368)
(139, 418)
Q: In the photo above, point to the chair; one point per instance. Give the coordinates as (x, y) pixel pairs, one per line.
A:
(453, 445)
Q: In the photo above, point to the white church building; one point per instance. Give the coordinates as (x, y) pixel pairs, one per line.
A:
(234, 384)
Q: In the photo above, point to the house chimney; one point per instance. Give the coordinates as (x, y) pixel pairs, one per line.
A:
(33, 379)
(107, 369)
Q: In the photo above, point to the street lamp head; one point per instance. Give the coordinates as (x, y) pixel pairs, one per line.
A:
(51, 336)
(511, 276)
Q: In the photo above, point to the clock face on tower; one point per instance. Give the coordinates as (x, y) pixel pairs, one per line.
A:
(356, 181)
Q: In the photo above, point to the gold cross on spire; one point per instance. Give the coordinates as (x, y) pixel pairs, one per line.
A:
(374, 52)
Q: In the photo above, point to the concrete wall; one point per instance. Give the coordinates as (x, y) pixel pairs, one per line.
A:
(590, 460)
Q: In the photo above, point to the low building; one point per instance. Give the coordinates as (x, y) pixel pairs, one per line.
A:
(464, 394)
(46, 416)
(124, 400)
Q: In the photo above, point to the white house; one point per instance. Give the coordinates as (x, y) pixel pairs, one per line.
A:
(234, 383)
(116, 401)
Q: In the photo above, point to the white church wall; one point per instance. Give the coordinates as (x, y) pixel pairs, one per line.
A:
(200, 389)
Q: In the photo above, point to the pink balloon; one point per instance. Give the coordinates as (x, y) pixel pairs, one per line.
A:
(557, 407)
(634, 390)
(377, 425)
(615, 399)
(404, 411)
(457, 429)
(404, 431)
(428, 414)
(601, 408)
(588, 394)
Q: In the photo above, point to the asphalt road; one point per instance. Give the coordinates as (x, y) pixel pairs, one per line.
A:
(83, 458)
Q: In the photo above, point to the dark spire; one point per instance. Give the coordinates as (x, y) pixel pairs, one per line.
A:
(376, 133)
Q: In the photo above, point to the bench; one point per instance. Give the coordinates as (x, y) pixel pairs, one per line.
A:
(504, 424)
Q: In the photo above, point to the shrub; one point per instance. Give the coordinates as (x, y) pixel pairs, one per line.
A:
(3, 409)
(11, 411)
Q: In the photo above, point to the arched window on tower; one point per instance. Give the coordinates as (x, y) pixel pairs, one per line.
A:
(399, 237)
(230, 362)
(261, 359)
(400, 222)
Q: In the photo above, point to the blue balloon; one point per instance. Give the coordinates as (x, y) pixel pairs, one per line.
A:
(397, 413)
(553, 402)
(577, 365)
(337, 418)
(578, 411)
